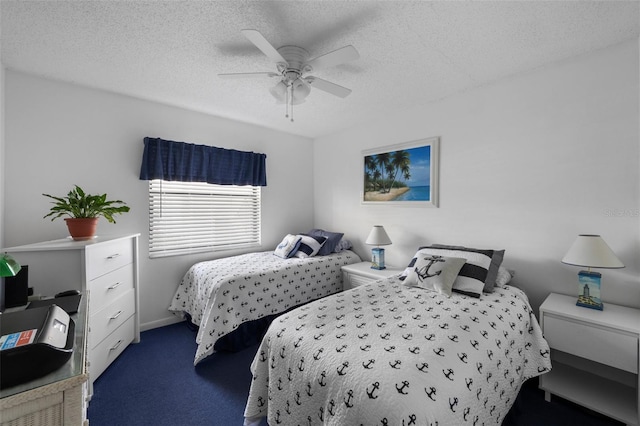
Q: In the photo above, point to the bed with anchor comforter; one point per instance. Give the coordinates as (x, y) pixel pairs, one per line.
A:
(222, 294)
(387, 354)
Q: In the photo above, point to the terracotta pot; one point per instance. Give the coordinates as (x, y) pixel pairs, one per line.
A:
(82, 228)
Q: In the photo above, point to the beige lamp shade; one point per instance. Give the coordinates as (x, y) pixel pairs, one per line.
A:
(591, 251)
(378, 236)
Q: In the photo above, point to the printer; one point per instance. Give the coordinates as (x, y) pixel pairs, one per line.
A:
(33, 343)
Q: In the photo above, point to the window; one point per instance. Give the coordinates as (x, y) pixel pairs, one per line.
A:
(194, 217)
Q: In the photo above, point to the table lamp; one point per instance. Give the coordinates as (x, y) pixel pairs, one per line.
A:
(378, 237)
(590, 251)
(8, 266)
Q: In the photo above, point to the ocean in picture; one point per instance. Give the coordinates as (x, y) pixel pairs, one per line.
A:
(415, 193)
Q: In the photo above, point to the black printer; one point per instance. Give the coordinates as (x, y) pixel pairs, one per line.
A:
(33, 343)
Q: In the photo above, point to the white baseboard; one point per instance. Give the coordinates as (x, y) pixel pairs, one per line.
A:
(160, 323)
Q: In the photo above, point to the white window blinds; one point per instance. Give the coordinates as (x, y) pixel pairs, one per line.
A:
(193, 217)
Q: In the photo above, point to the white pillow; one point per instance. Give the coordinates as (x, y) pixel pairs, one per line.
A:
(434, 272)
(343, 245)
(504, 276)
(309, 245)
(288, 246)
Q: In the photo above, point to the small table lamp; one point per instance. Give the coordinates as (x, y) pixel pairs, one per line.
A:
(378, 237)
(590, 251)
(8, 266)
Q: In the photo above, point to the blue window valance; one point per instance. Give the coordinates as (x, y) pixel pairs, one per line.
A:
(187, 162)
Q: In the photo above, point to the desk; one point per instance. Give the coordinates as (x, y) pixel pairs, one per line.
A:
(60, 397)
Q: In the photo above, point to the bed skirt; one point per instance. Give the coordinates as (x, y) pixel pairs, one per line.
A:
(246, 335)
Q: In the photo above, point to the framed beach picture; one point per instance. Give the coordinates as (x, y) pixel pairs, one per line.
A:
(404, 174)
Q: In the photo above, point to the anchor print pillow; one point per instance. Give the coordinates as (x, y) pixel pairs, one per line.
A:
(434, 272)
(288, 246)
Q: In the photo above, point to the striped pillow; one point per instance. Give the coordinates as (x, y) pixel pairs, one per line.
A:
(474, 275)
(492, 272)
(309, 245)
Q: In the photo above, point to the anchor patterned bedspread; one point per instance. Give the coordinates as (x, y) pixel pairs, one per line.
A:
(222, 294)
(387, 354)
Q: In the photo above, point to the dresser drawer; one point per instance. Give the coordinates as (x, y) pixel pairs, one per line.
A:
(355, 280)
(109, 349)
(600, 344)
(105, 289)
(107, 257)
(106, 320)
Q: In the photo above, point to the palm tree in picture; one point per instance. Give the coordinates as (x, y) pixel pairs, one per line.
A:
(401, 162)
(369, 170)
(382, 160)
(377, 179)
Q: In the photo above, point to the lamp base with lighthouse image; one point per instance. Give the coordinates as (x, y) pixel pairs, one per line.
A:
(589, 290)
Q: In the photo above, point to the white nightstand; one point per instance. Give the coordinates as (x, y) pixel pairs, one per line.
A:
(361, 273)
(594, 356)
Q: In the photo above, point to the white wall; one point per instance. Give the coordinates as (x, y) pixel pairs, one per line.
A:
(2, 156)
(2, 168)
(58, 135)
(526, 165)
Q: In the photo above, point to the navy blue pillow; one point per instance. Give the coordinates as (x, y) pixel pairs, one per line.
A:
(333, 238)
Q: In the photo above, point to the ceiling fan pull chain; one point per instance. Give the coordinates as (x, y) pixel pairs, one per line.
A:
(291, 100)
(286, 115)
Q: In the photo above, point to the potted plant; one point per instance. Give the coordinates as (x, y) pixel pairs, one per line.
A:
(84, 210)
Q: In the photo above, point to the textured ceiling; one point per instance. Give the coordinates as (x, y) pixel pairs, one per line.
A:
(411, 52)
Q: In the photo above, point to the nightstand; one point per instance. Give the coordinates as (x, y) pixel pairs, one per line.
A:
(594, 356)
(361, 273)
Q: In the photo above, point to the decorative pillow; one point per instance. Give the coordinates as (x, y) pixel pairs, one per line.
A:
(434, 272)
(504, 276)
(288, 246)
(333, 238)
(492, 272)
(309, 245)
(343, 245)
(474, 275)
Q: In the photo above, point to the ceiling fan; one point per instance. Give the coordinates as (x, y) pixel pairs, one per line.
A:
(293, 66)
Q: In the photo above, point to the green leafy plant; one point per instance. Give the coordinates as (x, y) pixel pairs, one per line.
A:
(78, 204)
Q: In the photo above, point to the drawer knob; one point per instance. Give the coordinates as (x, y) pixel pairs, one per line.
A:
(113, 256)
(116, 315)
(114, 347)
(113, 286)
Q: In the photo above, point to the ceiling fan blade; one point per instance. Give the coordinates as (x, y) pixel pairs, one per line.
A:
(261, 43)
(337, 57)
(248, 74)
(327, 86)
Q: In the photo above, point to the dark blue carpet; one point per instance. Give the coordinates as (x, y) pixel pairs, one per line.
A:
(154, 382)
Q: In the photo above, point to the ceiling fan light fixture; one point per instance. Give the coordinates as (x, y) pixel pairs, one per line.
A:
(279, 91)
(300, 90)
(294, 94)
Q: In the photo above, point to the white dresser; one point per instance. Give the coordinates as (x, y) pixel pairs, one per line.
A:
(105, 269)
